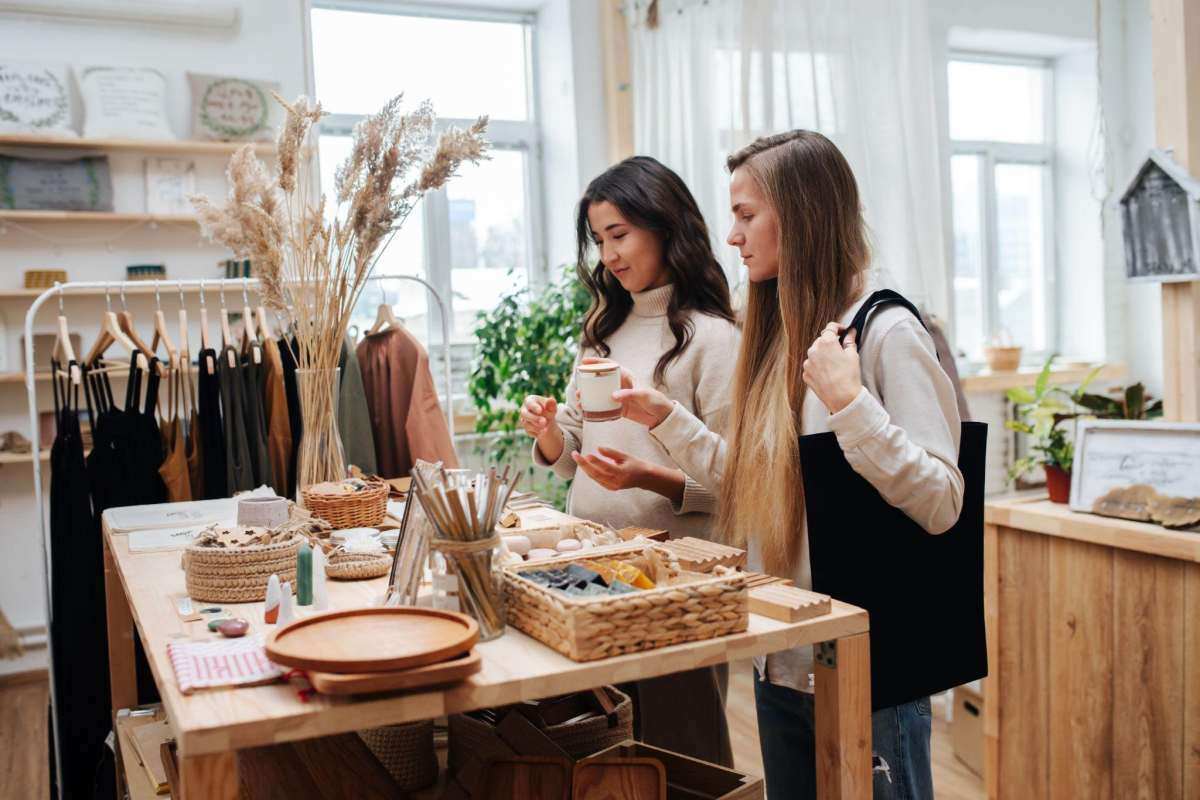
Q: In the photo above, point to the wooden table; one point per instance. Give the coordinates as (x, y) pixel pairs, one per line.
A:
(1094, 645)
(211, 725)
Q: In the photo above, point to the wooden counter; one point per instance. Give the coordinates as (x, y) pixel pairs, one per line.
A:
(211, 725)
(1093, 631)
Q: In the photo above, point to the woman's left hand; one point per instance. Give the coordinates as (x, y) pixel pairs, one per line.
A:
(832, 369)
(615, 470)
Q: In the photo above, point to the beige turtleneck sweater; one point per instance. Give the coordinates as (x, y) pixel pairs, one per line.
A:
(699, 379)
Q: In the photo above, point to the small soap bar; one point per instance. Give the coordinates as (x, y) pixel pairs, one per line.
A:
(541, 552)
(518, 544)
(580, 574)
(233, 628)
(215, 624)
(620, 587)
(568, 545)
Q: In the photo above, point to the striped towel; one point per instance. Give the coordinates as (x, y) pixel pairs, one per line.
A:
(224, 662)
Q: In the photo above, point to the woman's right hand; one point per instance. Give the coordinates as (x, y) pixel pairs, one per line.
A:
(537, 418)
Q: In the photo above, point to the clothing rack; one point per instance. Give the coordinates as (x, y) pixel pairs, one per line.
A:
(443, 314)
(221, 285)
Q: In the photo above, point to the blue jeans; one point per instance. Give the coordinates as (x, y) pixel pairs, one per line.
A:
(899, 738)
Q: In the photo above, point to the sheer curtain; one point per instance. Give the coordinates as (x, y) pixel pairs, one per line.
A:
(714, 74)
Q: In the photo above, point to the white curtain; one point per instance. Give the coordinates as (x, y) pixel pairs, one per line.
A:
(715, 74)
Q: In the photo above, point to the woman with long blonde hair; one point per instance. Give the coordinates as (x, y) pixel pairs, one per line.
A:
(799, 228)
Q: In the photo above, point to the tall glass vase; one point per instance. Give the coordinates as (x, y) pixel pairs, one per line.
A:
(320, 456)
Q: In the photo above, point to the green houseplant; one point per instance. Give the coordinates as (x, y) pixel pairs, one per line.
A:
(1042, 410)
(525, 345)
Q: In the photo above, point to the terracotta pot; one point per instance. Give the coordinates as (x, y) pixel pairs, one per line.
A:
(1058, 483)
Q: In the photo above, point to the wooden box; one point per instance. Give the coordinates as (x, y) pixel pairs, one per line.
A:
(693, 608)
(966, 728)
(689, 778)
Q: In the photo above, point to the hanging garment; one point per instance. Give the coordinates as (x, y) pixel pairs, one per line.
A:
(354, 421)
(869, 553)
(279, 428)
(174, 468)
(256, 426)
(126, 444)
(239, 473)
(406, 420)
(287, 356)
(193, 449)
(212, 428)
(78, 634)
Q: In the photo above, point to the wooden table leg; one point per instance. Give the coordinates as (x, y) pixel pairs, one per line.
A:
(122, 664)
(208, 777)
(843, 719)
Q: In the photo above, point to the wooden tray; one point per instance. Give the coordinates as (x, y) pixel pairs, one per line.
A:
(608, 777)
(365, 640)
(527, 778)
(456, 669)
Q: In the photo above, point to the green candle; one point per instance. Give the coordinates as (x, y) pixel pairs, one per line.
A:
(304, 575)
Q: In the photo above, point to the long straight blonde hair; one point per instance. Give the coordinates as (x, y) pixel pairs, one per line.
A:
(823, 255)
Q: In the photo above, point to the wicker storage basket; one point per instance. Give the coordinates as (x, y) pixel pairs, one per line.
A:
(240, 574)
(358, 566)
(586, 629)
(470, 735)
(365, 509)
(406, 752)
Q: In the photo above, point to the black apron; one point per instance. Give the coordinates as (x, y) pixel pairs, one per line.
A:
(924, 592)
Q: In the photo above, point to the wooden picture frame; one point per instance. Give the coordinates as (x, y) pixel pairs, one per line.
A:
(1113, 453)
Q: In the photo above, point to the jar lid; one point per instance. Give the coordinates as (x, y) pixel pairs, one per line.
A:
(601, 368)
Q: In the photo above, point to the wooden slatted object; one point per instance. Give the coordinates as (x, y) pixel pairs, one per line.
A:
(698, 555)
(787, 603)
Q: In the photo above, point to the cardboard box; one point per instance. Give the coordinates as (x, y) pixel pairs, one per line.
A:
(689, 778)
(966, 729)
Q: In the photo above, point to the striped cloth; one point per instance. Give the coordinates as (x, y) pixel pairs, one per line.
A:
(224, 662)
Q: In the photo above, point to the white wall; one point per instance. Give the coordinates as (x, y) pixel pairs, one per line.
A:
(266, 44)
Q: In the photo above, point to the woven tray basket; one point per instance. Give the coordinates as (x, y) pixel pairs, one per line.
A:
(365, 509)
(586, 629)
(472, 736)
(358, 566)
(238, 575)
(406, 752)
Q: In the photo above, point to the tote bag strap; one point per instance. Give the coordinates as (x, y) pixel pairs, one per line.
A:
(880, 298)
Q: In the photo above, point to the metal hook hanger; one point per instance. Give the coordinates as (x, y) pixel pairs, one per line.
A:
(107, 296)
(245, 294)
(201, 292)
(157, 297)
(122, 288)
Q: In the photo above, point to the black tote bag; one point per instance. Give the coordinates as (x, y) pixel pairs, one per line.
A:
(924, 592)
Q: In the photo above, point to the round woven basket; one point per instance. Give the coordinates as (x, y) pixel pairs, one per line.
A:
(406, 752)
(358, 566)
(238, 574)
(365, 509)
(469, 735)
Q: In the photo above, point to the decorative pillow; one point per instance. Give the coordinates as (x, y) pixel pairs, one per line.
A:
(67, 184)
(124, 102)
(35, 98)
(233, 109)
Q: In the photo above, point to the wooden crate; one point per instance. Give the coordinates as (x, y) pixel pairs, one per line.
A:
(585, 629)
(690, 777)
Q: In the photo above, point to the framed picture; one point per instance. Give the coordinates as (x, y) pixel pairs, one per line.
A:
(1160, 222)
(169, 181)
(1110, 454)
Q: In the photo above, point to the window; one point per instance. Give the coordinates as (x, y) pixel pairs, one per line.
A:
(481, 234)
(1001, 176)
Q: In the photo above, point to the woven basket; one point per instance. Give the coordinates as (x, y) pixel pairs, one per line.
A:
(238, 575)
(406, 752)
(44, 278)
(365, 509)
(586, 629)
(358, 566)
(470, 735)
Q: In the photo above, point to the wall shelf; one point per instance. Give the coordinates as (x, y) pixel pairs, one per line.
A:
(24, 458)
(115, 292)
(1027, 377)
(176, 146)
(21, 215)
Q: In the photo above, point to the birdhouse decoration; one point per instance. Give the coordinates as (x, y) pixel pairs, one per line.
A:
(1160, 221)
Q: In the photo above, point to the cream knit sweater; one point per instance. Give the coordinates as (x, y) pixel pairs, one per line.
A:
(699, 379)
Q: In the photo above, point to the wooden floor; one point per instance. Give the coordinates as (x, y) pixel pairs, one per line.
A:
(23, 767)
(23, 771)
(951, 778)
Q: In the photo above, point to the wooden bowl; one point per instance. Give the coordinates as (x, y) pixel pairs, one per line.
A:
(1002, 359)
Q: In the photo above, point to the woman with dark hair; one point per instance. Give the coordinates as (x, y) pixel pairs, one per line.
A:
(660, 308)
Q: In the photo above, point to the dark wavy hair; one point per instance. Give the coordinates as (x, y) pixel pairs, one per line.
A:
(652, 197)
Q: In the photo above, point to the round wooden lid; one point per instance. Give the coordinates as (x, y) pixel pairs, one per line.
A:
(372, 639)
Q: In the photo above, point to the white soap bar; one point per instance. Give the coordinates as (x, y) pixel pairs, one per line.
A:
(541, 552)
(568, 545)
(518, 544)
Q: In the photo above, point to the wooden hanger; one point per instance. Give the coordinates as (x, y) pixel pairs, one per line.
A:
(185, 349)
(63, 350)
(125, 322)
(264, 324)
(204, 330)
(384, 316)
(160, 332)
(110, 332)
(226, 336)
(249, 335)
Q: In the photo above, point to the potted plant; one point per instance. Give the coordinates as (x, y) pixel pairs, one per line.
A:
(1041, 412)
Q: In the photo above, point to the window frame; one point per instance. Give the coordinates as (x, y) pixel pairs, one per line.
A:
(992, 153)
(513, 135)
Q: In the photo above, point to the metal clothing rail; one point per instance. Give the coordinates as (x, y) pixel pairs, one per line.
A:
(220, 285)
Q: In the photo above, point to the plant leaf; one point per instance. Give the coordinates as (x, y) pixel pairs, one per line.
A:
(1043, 378)
(1020, 395)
